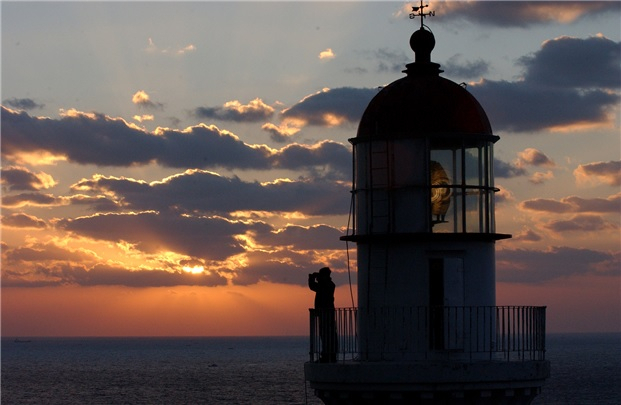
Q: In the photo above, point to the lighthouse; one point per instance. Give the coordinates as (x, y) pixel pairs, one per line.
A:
(426, 329)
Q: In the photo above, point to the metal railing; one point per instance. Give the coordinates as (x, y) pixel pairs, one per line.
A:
(505, 333)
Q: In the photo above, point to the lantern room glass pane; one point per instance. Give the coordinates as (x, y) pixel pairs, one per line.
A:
(442, 172)
(468, 189)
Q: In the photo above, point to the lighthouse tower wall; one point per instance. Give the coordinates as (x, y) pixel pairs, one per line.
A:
(400, 287)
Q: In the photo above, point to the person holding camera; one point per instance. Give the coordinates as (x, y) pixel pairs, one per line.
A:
(324, 287)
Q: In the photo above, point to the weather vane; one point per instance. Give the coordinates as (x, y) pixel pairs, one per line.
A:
(420, 12)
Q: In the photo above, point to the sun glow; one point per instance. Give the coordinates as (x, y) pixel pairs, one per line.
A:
(194, 269)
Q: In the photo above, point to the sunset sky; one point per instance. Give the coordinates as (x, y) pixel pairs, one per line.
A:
(178, 169)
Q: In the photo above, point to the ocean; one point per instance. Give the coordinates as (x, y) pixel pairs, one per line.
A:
(586, 369)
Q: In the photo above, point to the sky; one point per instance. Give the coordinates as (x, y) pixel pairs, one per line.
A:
(177, 169)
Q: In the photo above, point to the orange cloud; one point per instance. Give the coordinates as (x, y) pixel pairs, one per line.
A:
(599, 172)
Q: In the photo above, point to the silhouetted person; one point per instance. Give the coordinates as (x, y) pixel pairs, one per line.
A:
(323, 286)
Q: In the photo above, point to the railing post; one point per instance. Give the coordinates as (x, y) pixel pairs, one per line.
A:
(312, 334)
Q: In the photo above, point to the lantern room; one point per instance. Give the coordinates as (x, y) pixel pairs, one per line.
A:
(423, 156)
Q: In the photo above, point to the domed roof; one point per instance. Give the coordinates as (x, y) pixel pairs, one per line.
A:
(423, 103)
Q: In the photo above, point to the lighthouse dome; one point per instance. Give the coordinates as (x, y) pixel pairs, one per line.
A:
(423, 103)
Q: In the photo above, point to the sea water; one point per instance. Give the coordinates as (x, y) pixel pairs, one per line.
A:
(586, 369)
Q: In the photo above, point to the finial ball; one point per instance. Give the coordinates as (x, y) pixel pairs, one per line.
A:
(422, 42)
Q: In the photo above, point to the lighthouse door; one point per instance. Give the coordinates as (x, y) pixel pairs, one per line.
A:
(446, 302)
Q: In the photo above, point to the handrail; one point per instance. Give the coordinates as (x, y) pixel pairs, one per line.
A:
(498, 333)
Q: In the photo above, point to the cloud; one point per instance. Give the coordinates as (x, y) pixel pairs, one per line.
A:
(456, 67)
(318, 237)
(101, 140)
(530, 104)
(533, 266)
(507, 170)
(527, 235)
(580, 223)
(541, 177)
(574, 204)
(283, 132)
(210, 238)
(98, 203)
(23, 103)
(32, 199)
(20, 178)
(533, 157)
(327, 54)
(599, 172)
(56, 274)
(567, 62)
(503, 195)
(199, 191)
(521, 14)
(22, 220)
(528, 107)
(331, 107)
(255, 110)
(528, 157)
(39, 252)
(546, 99)
(223, 251)
(142, 99)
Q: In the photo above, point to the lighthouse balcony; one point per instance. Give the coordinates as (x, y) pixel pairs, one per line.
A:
(486, 355)
(428, 334)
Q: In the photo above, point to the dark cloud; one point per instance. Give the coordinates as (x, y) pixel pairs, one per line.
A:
(23, 103)
(566, 62)
(67, 274)
(279, 134)
(107, 275)
(606, 172)
(568, 81)
(456, 67)
(580, 223)
(97, 203)
(521, 14)
(318, 237)
(546, 205)
(207, 192)
(533, 266)
(210, 238)
(46, 252)
(33, 199)
(21, 220)
(20, 178)
(526, 107)
(329, 154)
(332, 107)
(256, 110)
(507, 170)
(89, 138)
(575, 204)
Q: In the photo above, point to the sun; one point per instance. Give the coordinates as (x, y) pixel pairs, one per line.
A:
(194, 270)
